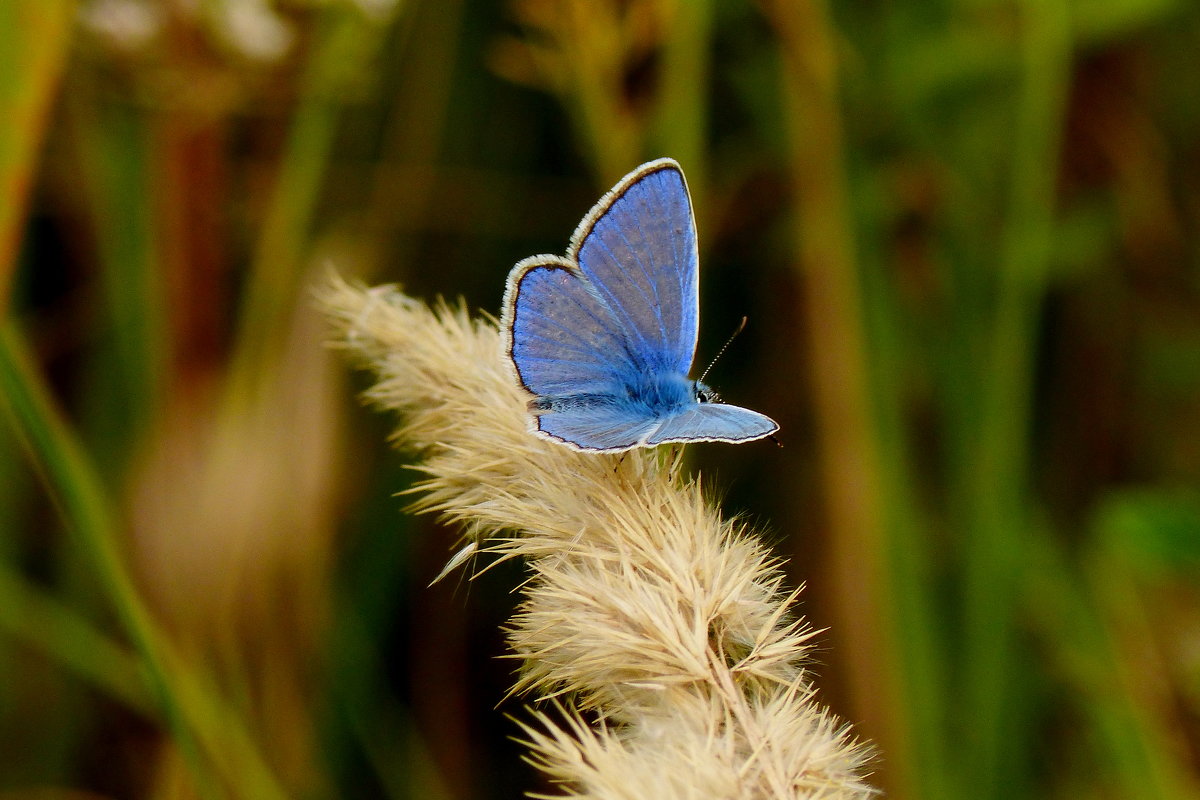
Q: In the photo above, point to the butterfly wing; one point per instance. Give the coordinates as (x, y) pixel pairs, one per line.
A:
(561, 338)
(600, 429)
(565, 345)
(637, 249)
(713, 422)
(621, 306)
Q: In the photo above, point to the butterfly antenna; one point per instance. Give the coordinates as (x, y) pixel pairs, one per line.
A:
(741, 327)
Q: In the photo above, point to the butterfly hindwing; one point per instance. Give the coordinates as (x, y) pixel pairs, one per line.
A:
(601, 429)
(713, 422)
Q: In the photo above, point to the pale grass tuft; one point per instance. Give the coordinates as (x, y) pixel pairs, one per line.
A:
(665, 625)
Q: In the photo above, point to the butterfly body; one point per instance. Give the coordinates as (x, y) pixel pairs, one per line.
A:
(603, 339)
(652, 395)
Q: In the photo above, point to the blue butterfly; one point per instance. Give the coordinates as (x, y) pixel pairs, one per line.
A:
(604, 338)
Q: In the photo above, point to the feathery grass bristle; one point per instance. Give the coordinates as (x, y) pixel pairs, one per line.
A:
(662, 632)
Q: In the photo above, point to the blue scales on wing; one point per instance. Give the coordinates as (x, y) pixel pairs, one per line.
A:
(564, 340)
(603, 428)
(638, 251)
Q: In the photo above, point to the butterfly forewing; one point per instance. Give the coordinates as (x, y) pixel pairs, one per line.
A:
(638, 250)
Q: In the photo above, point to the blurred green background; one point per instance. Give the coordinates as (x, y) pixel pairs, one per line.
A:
(967, 237)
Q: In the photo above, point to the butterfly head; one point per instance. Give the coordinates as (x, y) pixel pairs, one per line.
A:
(704, 394)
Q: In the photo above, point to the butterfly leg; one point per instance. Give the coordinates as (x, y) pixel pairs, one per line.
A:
(674, 462)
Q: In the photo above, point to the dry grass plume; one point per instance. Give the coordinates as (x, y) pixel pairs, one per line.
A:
(662, 632)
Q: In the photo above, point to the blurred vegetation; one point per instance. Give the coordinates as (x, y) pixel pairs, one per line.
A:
(967, 235)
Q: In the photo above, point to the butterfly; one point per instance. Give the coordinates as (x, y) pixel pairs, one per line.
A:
(603, 339)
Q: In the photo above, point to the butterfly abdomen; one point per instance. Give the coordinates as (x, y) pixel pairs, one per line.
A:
(573, 402)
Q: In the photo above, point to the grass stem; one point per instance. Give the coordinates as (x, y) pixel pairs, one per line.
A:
(999, 524)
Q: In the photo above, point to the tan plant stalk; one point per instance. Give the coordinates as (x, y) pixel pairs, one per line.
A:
(662, 632)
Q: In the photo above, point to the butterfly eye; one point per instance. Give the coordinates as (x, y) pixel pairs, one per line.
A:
(706, 395)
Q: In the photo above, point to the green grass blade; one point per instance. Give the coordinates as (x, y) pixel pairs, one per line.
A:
(864, 503)
(79, 494)
(999, 528)
(185, 702)
(184, 699)
(116, 151)
(40, 621)
(681, 122)
(1074, 612)
(345, 39)
(34, 41)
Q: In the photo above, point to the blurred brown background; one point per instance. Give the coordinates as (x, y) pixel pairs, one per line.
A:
(965, 234)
